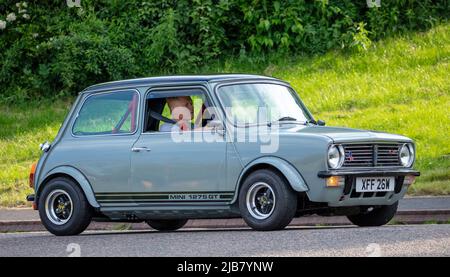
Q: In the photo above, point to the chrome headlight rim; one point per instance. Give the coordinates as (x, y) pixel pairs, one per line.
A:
(410, 150)
(333, 150)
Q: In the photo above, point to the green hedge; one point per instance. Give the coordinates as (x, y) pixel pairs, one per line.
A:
(51, 50)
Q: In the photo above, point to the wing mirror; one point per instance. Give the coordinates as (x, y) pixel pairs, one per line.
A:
(45, 146)
(320, 122)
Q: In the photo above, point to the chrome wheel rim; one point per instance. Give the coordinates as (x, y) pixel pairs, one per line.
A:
(260, 200)
(58, 207)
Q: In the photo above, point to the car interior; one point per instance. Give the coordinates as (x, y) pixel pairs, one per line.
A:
(158, 112)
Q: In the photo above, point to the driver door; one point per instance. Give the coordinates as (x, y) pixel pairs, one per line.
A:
(166, 169)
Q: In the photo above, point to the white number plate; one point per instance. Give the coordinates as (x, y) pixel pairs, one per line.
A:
(374, 184)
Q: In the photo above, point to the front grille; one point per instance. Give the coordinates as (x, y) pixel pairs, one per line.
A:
(358, 155)
(371, 155)
(388, 155)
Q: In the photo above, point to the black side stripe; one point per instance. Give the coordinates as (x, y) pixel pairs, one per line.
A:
(164, 197)
(150, 197)
(163, 193)
(165, 201)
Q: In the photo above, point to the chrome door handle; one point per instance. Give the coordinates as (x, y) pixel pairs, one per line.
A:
(139, 149)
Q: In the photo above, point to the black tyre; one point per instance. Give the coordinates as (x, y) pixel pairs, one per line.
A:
(266, 201)
(167, 224)
(63, 207)
(374, 217)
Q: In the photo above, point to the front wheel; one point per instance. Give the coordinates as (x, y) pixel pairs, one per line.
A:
(63, 208)
(266, 201)
(374, 216)
(167, 224)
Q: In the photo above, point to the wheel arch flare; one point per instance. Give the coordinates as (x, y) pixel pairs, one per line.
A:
(283, 167)
(76, 175)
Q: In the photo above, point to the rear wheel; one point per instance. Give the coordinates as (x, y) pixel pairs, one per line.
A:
(63, 208)
(167, 224)
(374, 216)
(266, 201)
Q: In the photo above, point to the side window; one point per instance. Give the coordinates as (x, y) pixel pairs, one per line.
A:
(111, 113)
(164, 109)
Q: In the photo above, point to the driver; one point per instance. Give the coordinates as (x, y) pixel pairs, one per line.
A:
(182, 111)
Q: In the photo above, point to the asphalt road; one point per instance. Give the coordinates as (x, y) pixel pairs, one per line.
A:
(401, 240)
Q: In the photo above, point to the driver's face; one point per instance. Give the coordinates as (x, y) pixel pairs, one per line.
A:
(181, 102)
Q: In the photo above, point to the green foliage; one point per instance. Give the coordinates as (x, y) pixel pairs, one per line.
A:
(361, 40)
(51, 50)
(305, 26)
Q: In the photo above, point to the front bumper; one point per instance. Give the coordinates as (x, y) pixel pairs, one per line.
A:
(30, 198)
(368, 172)
(346, 195)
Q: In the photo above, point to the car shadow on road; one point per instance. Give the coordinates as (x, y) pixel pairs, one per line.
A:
(210, 230)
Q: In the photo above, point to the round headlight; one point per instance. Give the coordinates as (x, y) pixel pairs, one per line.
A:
(407, 155)
(335, 156)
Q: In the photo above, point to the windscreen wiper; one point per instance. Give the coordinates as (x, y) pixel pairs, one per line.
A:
(287, 119)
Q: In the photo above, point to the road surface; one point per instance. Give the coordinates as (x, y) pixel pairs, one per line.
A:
(400, 240)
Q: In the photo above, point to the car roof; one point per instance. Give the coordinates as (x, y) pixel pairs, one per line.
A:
(174, 79)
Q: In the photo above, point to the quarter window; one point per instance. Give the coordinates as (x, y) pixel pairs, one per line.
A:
(111, 113)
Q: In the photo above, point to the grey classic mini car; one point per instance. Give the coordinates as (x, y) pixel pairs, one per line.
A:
(167, 149)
